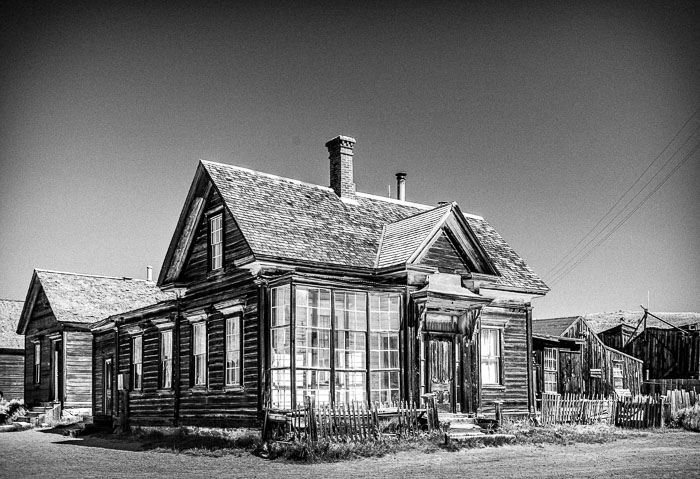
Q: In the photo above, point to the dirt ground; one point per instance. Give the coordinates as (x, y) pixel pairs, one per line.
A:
(37, 453)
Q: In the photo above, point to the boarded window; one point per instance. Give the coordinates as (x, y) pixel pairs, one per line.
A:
(490, 356)
(37, 363)
(137, 363)
(199, 354)
(384, 319)
(234, 362)
(216, 241)
(166, 359)
(550, 370)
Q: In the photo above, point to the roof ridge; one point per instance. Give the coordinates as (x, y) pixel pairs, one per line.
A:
(269, 175)
(395, 201)
(14, 300)
(421, 213)
(121, 278)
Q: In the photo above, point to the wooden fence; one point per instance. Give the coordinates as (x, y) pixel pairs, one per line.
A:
(640, 412)
(574, 409)
(349, 422)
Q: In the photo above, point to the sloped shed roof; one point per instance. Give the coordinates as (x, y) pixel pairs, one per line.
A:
(291, 220)
(552, 326)
(10, 311)
(83, 298)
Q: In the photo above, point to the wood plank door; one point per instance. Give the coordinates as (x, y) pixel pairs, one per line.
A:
(57, 372)
(442, 372)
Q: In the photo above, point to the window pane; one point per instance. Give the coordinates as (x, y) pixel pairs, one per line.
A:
(350, 387)
(314, 383)
(280, 348)
(280, 297)
(281, 388)
(233, 351)
(490, 356)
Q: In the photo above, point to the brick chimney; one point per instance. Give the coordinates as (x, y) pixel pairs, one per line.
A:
(340, 154)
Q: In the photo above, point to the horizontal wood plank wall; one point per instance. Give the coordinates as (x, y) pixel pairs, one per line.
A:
(668, 353)
(78, 354)
(104, 347)
(12, 375)
(443, 256)
(514, 362)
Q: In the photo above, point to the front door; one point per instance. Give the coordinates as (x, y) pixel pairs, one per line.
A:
(442, 369)
(57, 372)
(108, 396)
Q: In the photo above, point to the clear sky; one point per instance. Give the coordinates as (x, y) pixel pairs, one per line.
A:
(537, 118)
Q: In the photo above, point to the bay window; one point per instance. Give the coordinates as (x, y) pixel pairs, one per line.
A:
(332, 337)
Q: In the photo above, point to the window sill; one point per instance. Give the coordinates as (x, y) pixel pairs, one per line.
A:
(198, 389)
(217, 273)
(234, 389)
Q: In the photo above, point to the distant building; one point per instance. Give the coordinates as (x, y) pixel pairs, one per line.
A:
(11, 350)
(57, 340)
(571, 358)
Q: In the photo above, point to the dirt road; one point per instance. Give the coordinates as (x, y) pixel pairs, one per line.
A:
(43, 454)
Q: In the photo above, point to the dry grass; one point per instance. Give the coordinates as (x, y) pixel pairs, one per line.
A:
(688, 418)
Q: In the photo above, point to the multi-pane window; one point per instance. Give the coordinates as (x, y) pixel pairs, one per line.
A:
(384, 323)
(233, 351)
(350, 342)
(490, 356)
(137, 362)
(312, 337)
(216, 243)
(618, 380)
(37, 363)
(199, 354)
(550, 370)
(166, 359)
(280, 340)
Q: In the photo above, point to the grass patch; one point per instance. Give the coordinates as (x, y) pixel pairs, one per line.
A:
(198, 441)
(564, 434)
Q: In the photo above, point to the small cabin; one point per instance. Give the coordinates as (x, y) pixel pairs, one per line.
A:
(55, 323)
(11, 350)
(570, 358)
(288, 289)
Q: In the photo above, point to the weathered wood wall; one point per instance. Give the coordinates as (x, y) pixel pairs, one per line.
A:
(12, 373)
(443, 256)
(514, 391)
(41, 322)
(78, 367)
(104, 348)
(668, 353)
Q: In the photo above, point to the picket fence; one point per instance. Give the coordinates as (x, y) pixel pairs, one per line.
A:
(574, 409)
(350, 422)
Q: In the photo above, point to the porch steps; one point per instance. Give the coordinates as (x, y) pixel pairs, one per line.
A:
(36, 415)
(463, 428)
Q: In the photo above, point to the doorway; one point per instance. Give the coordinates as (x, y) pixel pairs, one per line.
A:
(443, 371)
(57, 371)
(108, 393)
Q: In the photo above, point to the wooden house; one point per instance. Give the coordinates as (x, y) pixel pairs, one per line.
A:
(570, 358)
(288, 289)
(11, 350)
(668, 343)
(55, 323)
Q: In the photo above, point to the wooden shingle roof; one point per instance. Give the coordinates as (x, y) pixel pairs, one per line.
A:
(281, 218)
(83, 298)
(10, 311)
(600, 322)
(552, 326)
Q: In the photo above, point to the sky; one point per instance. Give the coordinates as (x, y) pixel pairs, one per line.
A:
(538, 118)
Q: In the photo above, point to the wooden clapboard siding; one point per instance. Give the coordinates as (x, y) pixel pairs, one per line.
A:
(78, 369)
(12, 373)
(514, 390)
(37, 393)
(443, 255)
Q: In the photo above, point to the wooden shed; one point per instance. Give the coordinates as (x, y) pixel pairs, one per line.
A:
(57, 340)
(289, 289)
(570, 358)
(668, 343)
(11, 350)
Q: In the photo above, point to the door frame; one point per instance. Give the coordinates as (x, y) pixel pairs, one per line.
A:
(108, 386)
(456, 361)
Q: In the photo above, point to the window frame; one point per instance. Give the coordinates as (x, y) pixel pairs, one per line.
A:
(134, 364)
(37, 362)
(194, 355)
(497, 360)
(618, 365)
(236, 319)
(212, 256)
(384, 331)
(550, 365)
(162, 384)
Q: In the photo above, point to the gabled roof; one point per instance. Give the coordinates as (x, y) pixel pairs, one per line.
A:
(289, 220)
(84, 298)
(10, 311)
(600, 322)
(552, 326)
